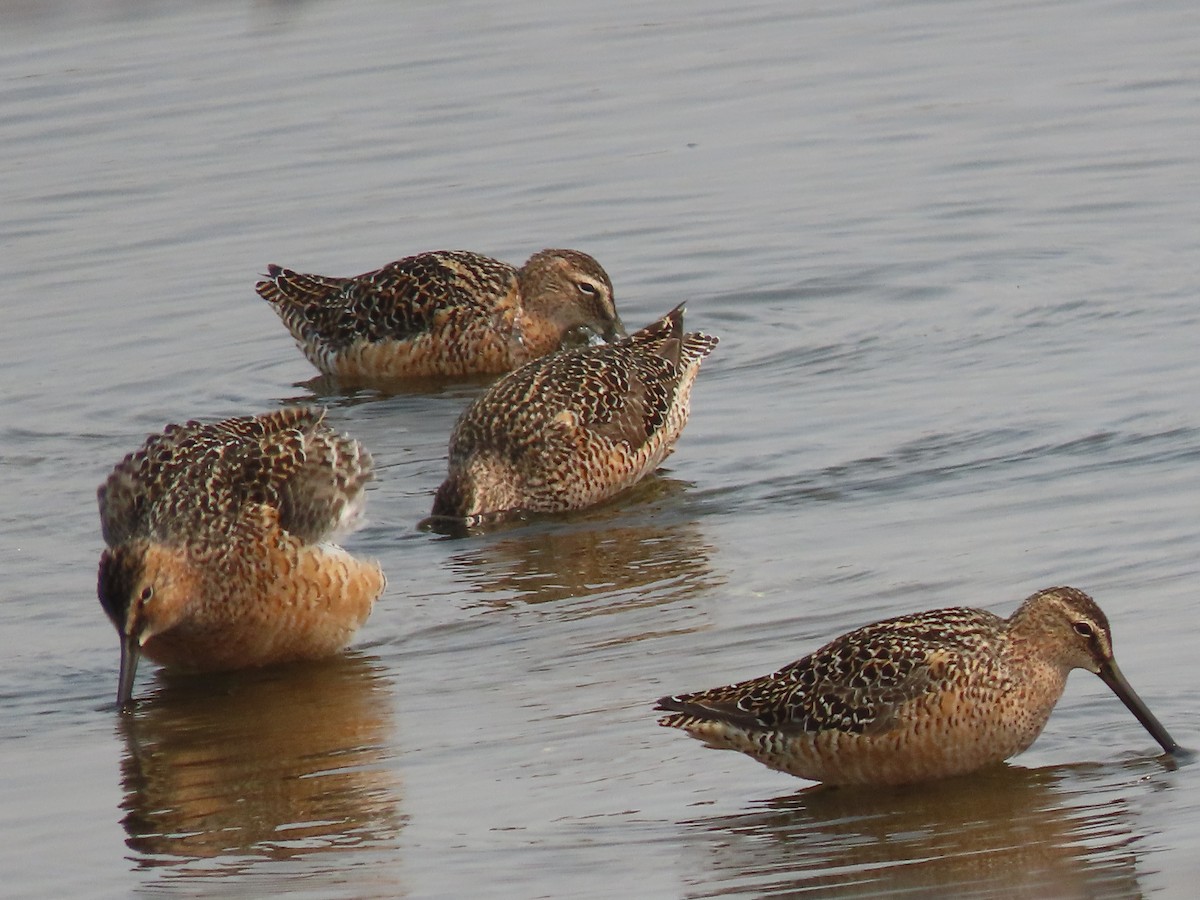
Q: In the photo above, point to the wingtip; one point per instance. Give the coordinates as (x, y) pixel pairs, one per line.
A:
(668, 704)
(268, 288)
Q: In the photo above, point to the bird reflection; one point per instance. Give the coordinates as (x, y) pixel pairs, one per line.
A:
(1006, 832)
(345, 391)
(271, 764)
(629, 546)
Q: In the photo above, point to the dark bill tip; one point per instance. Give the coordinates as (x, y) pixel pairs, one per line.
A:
(1111, 675)
(131, 652)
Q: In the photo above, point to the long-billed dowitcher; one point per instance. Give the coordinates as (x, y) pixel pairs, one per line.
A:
(573, 428)
(916, 697)
(219, 553)
(445, 313)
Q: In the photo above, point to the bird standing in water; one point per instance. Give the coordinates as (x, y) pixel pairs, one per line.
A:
(219, 553)
(445, 313)
(916, 697)
(573, 428)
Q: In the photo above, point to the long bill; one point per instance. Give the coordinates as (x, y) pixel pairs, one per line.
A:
(131, 652)
(1111, 675)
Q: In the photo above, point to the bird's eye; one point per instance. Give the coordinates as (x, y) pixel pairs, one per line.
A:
(1083, 629)
(147, 593)
(586, 288)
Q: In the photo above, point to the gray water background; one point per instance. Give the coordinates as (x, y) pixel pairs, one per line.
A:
(951, 253)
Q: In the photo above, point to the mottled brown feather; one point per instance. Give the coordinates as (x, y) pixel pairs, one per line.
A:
(218, 542)
(444, 313)
(575, 427)
(914, 697)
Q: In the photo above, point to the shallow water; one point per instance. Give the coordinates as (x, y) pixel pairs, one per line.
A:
(950, 253)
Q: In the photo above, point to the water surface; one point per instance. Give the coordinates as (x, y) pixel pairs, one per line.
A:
(950, 253)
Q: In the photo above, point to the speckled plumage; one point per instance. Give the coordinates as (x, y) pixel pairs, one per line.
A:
(218, 544)
(916, 697)
(445, 313)
(573, 428)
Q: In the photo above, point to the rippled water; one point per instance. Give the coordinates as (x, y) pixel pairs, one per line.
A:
(950, 250)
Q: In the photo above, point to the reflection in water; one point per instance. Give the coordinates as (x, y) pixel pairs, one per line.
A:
(265, 765)
(630, 545)
(1007, 832)
(326, 391)
(347, 391)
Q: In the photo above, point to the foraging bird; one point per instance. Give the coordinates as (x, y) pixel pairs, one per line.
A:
(219, 553)
(916, 697)
(445, 313)
(573, 428)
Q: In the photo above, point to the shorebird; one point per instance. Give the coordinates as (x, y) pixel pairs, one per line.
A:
(447, 313)
(219, 553)
(916, 697)
(572, 428)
